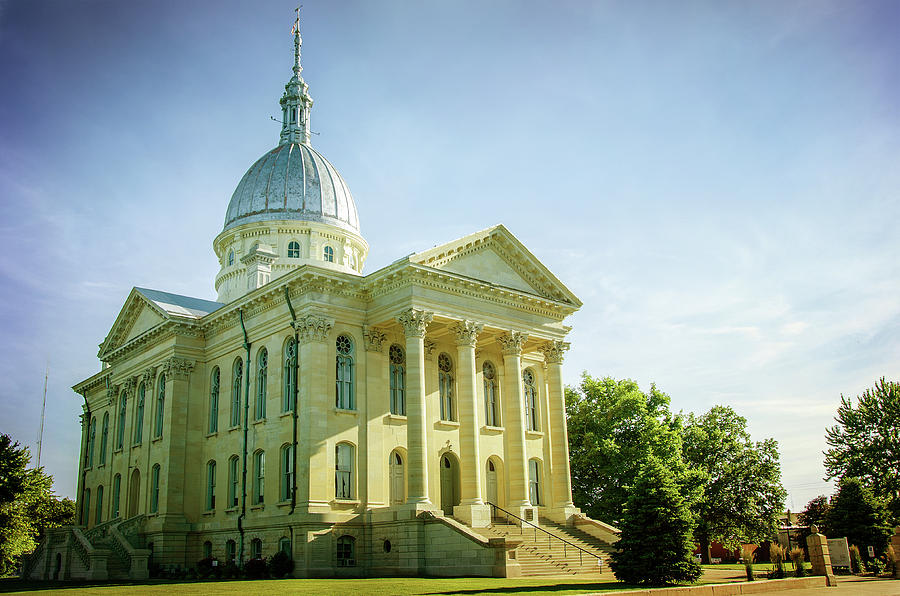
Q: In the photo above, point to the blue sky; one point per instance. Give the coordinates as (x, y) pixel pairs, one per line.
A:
(718, 182)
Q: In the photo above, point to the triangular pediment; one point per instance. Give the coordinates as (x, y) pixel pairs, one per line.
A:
(138, 315)
(496, 256)
(145, 320)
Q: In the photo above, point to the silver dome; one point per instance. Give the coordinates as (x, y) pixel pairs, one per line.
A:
(295, 182)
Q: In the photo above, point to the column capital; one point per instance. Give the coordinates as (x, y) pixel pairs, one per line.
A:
(429, 346)
(129, 385)
(511, 343)
(112, 392)
(414, 321)
(554, 350)
(148, 375)
(178, 368)
(466, 332)
(313, 328)
(374, 338)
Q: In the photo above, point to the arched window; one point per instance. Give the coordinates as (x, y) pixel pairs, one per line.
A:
(328, 254)
(284, 545)
(534, 481)
(346, 555)
(237, 376)
(293, 250)
(256, 548)
(139, 416)
(120, 427)
(445, 384)
(262, 370)
(230, 550)
(259, 477)
(214, 401)
(92, 435)
(230, 258)
(491, 403)
(210, 485)
(99, 517)
(398, 380)
(154, 489)
(233, 481)
(287, 472)
(344, 374)
(531, 402)
(160, 406)
(104, 434)
(207, 550)
(86, 508)
(343, 471)
(116, 496)
(289, 393)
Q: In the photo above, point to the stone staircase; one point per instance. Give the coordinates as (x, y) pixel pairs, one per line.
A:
(541, 554)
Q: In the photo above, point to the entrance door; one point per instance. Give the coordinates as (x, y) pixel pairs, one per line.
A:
(396, 465)
(449, 484)
(134, 493)
(492, 483)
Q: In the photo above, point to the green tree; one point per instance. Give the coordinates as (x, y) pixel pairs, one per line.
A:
(613, 426)
(743, 496)
(656, 539)
(27, 506)
(859, 515)
(815, 514)
(865, 442)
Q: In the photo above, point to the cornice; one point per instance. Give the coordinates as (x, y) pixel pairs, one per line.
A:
(175, 326)
(93, 382)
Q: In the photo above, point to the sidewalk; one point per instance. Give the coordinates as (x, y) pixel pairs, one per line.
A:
(851, 585)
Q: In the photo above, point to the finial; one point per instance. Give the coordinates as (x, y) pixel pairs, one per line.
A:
(298, 41)
(296, 102)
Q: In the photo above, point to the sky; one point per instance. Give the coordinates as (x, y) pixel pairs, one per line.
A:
(716, 181)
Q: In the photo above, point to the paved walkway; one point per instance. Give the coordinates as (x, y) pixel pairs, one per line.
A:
(850, 585)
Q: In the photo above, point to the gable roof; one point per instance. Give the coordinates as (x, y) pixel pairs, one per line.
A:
(176, 304)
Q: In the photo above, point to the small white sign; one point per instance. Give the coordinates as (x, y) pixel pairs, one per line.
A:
(839, 551)
(871, 552)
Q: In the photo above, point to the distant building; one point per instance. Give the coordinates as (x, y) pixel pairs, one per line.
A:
(360, 423)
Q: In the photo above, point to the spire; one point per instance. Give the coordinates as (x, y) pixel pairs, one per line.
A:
(296, 102)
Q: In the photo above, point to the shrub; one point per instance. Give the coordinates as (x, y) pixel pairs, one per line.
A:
(797, 558)
(749, 557)
(256, 569)
(890, 560)
(230, 570)
(281, 564)
(206, 568)
(776, 556)
(856, 562)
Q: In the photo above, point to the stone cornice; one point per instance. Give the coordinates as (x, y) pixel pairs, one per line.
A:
(174, 326)
(466, 332)
(92, 382)
(511, 343)
(414, 321)
(554, 350)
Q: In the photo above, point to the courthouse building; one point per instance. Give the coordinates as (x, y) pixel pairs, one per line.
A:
(363, 423)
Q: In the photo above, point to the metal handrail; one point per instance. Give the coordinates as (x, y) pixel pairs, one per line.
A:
(581, 551)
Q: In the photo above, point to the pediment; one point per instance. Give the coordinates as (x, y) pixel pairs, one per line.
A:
(496, 256)
(137, 316)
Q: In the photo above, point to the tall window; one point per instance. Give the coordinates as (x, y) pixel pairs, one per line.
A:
(104, 434)
(445, 384)
(262, 370)
(293, 250)
(328, 254)
(214, 401)
(233, 481)
(120, 427)
(99, 517)
(207, 550)
(210, 485)
(256, 548)
(86, 508)
(230, 258)
(116, 496)
(491, 403)
(534, 481)
(531, 402)
(284, 545)
(259, 477)
(344, 374)
(287, 472)
(398, 380)
(346, 547)
(160, 406)
(289, 391)
(154, 489)
(343, 471)
(237, 376)
(230, 550)
(139, 416)
(92, 435)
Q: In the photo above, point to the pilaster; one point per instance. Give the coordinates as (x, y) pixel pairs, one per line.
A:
(376, 407)
(414, 323)
(316, 400)
(174, 441)
(511, 344)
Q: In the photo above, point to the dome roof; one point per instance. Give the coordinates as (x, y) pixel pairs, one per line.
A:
(295, 182)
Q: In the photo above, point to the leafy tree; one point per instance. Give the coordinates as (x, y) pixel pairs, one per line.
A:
(613, 426)
(656, 539)
(27, 507)
(860, 516)
(816, 513)
(743, 496)
(865, 442)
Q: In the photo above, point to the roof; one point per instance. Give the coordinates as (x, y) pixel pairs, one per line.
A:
(176, 304)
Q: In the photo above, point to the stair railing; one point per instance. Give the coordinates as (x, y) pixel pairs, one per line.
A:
(550, 537)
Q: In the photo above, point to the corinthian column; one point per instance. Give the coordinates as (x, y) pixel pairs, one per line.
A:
(560, 479)
(414, 323)
(471, 509)
(514, 410)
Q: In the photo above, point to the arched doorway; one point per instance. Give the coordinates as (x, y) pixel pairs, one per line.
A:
(492, 484)
(397, 478)
(134, 493)
(449, 483)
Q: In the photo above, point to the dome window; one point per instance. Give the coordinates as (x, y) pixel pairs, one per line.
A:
(294, 250)
(230, 258)
(328, 254)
